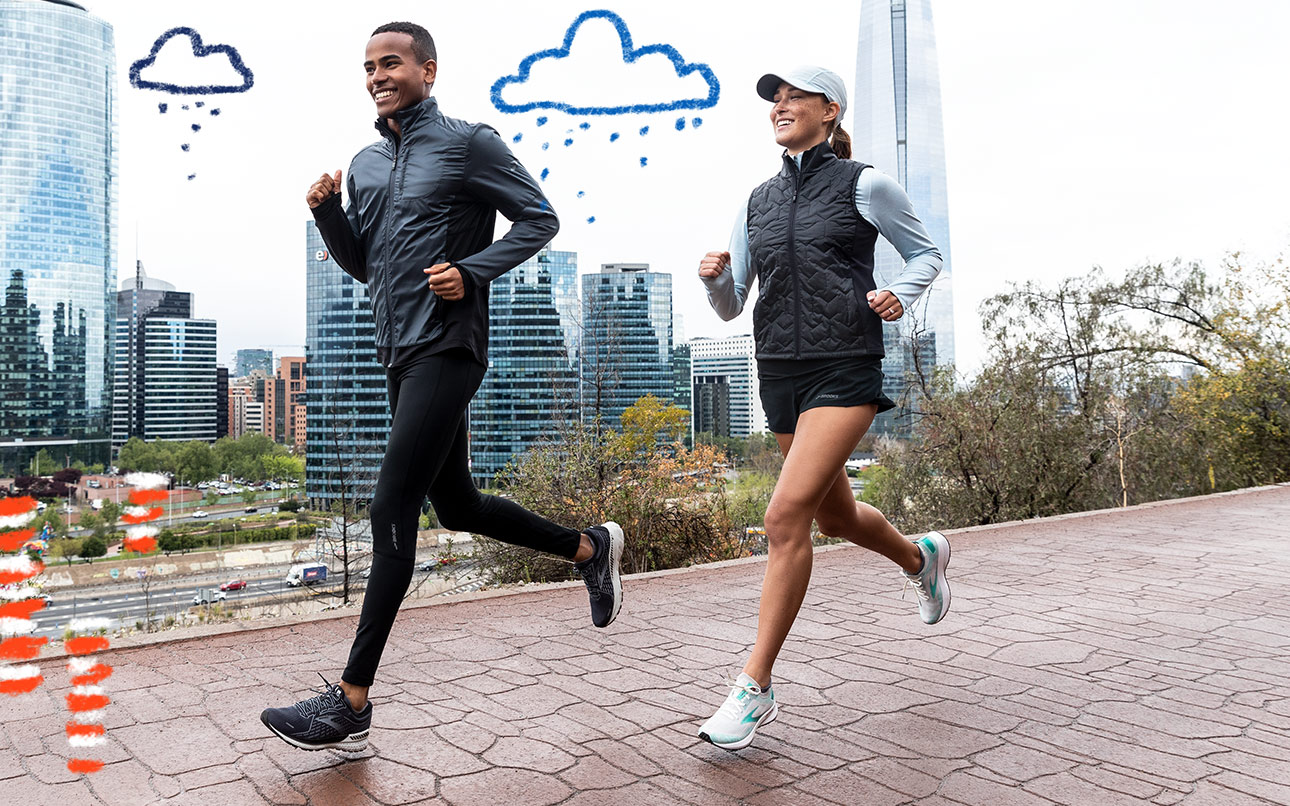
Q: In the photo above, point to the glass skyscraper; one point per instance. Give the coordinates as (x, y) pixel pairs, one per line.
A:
(896, 127)
(348, 410)
(58, 194)
(627, 339)
(532, 380)
(731, 359)
(252, 359)
(165, 380)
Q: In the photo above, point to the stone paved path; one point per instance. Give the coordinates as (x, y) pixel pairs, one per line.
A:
(1133, 657)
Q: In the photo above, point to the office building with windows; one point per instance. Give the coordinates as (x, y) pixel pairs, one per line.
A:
(348, 411)
(252, 359)
(532, 381)
(165, 380)
(627, 339)
(58, 231)
(711, 413)
(734, 359)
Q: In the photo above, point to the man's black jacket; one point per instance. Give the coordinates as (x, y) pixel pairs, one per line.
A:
(432, 196)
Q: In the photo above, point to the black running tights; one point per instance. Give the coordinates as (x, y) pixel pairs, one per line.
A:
(427, 455)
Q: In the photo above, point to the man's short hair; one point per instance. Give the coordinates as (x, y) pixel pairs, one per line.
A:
(422, 42)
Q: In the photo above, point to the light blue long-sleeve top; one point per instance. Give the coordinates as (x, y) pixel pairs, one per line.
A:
(882, 202)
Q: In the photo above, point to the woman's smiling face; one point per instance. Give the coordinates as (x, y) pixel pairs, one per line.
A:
(800, 118)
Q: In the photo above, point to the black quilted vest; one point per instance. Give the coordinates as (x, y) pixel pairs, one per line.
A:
(814, 259)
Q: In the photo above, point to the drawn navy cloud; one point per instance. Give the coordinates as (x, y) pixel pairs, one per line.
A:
(180, 64)
(597, 71)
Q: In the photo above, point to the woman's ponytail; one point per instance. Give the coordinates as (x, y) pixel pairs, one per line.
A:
(841, 143)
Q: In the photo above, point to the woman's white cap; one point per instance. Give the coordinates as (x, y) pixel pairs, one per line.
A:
(809, 78)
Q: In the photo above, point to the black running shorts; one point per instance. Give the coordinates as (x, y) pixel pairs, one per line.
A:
(789, 387)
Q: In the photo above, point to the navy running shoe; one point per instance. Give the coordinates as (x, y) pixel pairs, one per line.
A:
(321, 722)
(604, 584)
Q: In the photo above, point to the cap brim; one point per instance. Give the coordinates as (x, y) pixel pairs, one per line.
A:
(767, 84)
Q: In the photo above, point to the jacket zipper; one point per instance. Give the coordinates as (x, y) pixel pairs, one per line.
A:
(792, 259)
(385, 253)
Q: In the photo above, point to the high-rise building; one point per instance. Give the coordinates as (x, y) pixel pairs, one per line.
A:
(58, 241)
(349, 415)
(252, 359)
(734, 359)
(532, 380)
(627, 339)
(245, 413)
(283, 394)
(711, 414)
(165, 380)
(681, 375)
(221, 401)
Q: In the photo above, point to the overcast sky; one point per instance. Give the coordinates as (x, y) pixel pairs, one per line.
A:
(1085, 133)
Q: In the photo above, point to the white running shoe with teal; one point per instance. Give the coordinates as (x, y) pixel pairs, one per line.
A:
(930, 584)
(747, 708)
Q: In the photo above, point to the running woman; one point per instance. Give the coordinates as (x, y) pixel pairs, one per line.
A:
(807, 235)
(419, 232)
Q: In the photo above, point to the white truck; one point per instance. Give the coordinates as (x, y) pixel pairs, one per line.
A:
(306, 574)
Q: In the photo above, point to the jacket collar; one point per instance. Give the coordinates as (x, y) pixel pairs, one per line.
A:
(813, 159)
(411, 118)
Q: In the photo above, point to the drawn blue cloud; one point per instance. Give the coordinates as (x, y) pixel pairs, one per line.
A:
(550, 96)
(218, 62)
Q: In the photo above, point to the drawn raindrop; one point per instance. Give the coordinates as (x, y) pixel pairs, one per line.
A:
(545, 173)
(696, 122)
(584, 125)
(517, 137)
(215, 112)
(191, 177)
(613, 137)
(197, 127)
(163, 108)
(644, 130)
(184, 146)
(591, 219)
(643, 161)
(541, 121)
(184, 107)
(199, 104)
(568, 141)
(545, 146)
(582, 193)
(680, 124)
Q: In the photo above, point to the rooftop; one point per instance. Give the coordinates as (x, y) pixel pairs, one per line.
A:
(1131, 656)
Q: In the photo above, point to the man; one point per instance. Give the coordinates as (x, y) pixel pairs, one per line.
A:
(418, 231)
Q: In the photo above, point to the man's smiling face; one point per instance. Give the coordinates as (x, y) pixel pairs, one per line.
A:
(395, 79)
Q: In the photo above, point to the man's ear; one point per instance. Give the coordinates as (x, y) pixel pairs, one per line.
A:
(430, 70)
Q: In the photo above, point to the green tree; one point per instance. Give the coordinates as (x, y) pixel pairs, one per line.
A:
(168, 541)
(110, 513)
(64, 549)
(42, 464)
(196, 462)
(93, 547)
(282, 467)
(248, 496)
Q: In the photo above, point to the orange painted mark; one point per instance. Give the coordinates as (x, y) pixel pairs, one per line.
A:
(93, 675)
(141, 498)
(84, 765)
(10, 577)
(150, 515)
(16, 506)
(21, 685)
(85, 645)
(77, 729)
(12, 541)
(21, 609)
(86, 702)
(143, 545)
(21, 647)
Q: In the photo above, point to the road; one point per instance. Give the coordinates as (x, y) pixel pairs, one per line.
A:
(124, 603)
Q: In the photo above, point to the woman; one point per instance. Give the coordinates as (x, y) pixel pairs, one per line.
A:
(808, 234)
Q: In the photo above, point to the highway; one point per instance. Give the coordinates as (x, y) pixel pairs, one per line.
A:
(124, 603)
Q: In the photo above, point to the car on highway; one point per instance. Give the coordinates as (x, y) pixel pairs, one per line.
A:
(252, 509)
(428, 565)
(47, 599)
(201, 513)
(204, 597)
(233, 585)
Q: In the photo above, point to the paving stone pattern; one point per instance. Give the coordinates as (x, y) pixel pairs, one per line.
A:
(1131, 657)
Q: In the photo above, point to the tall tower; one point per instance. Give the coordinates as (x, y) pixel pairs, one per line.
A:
(348, 413)
(897, 129)
(532, 380)
(627, 339)
(58, 193)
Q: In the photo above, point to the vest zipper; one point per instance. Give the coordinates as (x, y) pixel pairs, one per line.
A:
(385, 249)
(792, 257)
